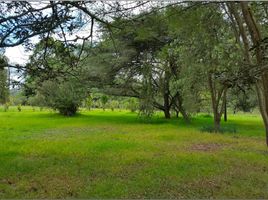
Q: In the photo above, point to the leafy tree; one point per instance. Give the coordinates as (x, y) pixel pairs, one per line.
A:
(113, 104)
(59, 18)
(89, 102)
(64, 97)
(51, 59)
(132, 104)
(4, 90)
(245, 101)
(214, 61)
(37, 100)
(136, 60)
(104, 100)
(248, 23)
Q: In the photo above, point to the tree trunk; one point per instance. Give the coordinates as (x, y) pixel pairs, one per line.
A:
(266, 133)
(214, 103)
(178, 104)
(218, 101)
(262, 108)
(167, 113)
(166, 105)
(217, 123)
(166, 94)
(184, 115)
(177, 114)
(225, 111)
(262, 85)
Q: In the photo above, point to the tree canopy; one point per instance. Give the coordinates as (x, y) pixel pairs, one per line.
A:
(182, 57)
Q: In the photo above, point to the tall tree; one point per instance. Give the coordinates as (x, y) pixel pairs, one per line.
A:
(4, 85)
(250, 29)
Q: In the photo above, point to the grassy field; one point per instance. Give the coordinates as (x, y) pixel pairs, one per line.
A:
(109, 154)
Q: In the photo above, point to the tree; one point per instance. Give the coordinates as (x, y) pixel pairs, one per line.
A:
(104, 100)
(113, 104)
(132, 104)
(55, 79)
(89, 102)
(250, 28)
(64, 97)
(215, 59)
(136, 62)
(4, 87)
(244, 101)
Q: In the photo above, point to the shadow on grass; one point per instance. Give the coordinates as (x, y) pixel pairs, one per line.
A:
(197, 122)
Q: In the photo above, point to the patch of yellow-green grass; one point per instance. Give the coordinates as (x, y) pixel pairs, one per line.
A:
(99, 154)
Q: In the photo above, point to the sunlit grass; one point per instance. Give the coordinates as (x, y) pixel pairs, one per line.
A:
(105, 154)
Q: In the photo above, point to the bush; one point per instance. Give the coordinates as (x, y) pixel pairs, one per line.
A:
(113, 104)
(206, 115)
(6, 106)
(133, 104)
(104, 100)
(37, 100)
(64, 97)
(19, 108)
(88, 102)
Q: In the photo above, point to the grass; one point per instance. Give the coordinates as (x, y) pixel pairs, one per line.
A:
(109, 154)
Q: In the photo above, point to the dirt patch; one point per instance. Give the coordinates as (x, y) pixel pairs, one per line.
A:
(207, 147)
(7, 181)
(74, 130)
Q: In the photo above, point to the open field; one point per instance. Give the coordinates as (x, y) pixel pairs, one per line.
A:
(109, 154)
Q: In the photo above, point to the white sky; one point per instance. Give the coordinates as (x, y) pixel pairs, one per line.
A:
(17, 55)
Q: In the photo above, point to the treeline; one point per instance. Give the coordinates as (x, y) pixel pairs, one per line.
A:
(184, 57)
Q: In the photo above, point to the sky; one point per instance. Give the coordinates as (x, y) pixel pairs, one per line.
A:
(17, 55)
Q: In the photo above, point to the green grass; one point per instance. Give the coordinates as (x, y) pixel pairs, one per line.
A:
(108, 154)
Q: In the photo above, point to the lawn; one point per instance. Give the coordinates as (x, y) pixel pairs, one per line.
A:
(99, 154)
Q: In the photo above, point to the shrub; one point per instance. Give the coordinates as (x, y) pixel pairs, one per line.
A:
(206, 115)
(89, 102)
(37, 100)
(64, 97)
(114, 104)
(19, 108)
(6, 106)
(104, 100)
(133, 104)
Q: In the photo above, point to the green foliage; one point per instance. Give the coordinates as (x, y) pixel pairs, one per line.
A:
(4, 90)
(146, 109)
(37, 100)
(62, 96)
(206, 115)
(6, 107)
(17, 98)
(244, 101)
(103, 100)
(51, 60)
(133, 104)
(89, 102)
(19, 108)
(113, 104)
